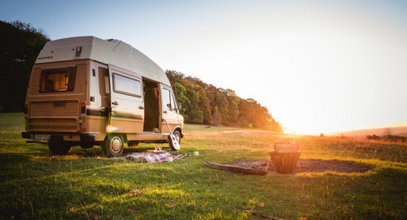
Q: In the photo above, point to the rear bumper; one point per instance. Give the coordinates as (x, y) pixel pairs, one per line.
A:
(84, 137)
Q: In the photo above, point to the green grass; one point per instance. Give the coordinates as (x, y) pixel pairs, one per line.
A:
(84, 185)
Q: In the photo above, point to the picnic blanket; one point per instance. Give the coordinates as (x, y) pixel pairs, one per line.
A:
(154, 157)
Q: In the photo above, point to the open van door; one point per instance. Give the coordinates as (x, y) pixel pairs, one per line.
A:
(170, 117)
(169, 109)
(126, 101)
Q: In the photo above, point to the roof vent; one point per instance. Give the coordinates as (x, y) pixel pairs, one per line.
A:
(112, 40)
(78, 51)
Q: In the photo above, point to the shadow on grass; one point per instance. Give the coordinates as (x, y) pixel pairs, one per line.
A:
(104, 187)
(112, 194)
(28, 150)
(7, 159)
(62, 192)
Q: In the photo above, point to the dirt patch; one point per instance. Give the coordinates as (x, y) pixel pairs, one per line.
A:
(311, 166)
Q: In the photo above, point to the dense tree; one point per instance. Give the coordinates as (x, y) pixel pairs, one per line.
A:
(205, 103)
(20, 44)
(205, 106)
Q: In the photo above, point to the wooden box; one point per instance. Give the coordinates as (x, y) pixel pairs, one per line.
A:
(285, 157)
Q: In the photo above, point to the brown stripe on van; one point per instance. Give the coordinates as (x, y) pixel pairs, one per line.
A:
(95, 112)
(126, 115)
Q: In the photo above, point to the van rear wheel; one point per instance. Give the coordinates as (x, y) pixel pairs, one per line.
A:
(113, 145)
(58, 147)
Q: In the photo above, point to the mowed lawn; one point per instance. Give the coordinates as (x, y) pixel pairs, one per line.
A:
(84, 185)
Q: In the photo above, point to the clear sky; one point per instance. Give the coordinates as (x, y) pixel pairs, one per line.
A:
(318, 66)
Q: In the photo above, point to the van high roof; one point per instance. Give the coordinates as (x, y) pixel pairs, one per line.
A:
(110, 51)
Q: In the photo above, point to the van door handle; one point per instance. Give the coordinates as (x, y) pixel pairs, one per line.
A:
(165, 112)
(115, 103)
(141, 107)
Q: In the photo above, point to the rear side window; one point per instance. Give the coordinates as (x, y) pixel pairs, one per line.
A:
(58, 79)
(126, 85)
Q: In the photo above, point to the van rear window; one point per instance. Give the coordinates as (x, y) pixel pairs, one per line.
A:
(58, 79)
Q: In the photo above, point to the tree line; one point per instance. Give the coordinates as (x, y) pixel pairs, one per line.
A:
(20, 44)
(208, 104)
(204, 103)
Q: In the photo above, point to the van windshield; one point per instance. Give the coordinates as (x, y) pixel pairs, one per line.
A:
(58, 79)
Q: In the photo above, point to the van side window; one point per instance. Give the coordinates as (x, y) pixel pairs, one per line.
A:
(166, 99)
(103, 81)
(58, 79)
(126, 85)
(104, 88)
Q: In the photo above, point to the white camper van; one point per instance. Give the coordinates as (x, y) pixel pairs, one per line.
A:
(87, 91)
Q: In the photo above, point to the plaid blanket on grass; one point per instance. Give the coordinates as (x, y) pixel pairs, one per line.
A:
(150, 157)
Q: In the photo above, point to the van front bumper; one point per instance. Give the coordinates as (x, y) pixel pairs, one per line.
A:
(83, 136)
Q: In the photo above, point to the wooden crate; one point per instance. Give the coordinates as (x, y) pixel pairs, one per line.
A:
(285, 157)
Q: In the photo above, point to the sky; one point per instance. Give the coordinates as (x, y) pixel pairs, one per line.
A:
(318, 66)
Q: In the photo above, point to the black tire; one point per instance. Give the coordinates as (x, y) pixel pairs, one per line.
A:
(177, 135)
(86, 145)
(58, 147)
(113, 145)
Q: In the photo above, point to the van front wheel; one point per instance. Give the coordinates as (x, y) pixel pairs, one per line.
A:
(58, 147)
(113, 145)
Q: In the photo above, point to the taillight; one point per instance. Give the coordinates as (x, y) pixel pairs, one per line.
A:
(25, 108)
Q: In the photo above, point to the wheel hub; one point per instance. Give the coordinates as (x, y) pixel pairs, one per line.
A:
(116, 144)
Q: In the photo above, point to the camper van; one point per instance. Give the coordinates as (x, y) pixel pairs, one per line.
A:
(87, 91)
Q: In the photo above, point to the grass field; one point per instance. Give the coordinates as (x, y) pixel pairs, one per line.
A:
(84, 185)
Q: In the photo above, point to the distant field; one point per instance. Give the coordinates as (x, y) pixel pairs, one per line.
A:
(402, 131)
(198, 127)
(84, 185)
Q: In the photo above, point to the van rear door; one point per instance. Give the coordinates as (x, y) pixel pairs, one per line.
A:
(55, 96)
(126, 101)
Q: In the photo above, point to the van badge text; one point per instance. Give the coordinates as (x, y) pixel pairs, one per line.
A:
(44, 57)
